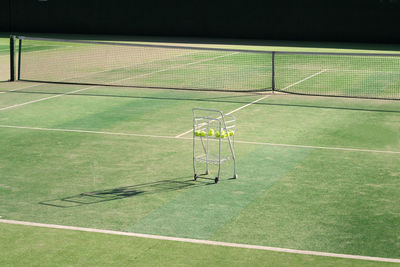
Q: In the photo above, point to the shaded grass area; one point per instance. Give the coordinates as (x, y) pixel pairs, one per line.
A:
(331, 201)
(69, 248)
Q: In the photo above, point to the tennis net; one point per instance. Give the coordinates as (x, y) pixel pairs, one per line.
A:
(144, 66)
(362, 75)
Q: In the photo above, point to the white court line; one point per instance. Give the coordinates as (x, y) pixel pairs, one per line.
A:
(203, 242)
(305, 79)
(45, 98)
(255, 101)
(189, 138)
(17, 89)
(86, 131)
(262, 98)
(90, 87)
(184, 65)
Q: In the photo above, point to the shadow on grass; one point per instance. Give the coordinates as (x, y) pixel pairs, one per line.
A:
(117, 193)
(233, 98)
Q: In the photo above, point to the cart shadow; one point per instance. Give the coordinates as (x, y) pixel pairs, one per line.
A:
(98, 196)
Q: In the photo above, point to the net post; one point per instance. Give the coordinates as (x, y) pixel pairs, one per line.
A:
(273, 71)
(12, 58)
(19, 58)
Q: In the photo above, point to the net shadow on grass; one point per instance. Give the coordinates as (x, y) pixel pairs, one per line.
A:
(232, 99)
(266, 89)
(98, 196)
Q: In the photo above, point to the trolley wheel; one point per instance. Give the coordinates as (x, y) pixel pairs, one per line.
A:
(235, 176)
(195, 176)
(216, 179)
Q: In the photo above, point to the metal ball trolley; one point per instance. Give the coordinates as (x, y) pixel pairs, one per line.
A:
(212, 130)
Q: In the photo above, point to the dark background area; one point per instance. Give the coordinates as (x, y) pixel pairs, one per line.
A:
(308, 20)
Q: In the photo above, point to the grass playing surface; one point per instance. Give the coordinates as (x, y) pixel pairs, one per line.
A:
(108, 158)
(64, 248)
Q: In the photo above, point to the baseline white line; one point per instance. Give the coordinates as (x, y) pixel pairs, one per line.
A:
(264, 97)
(189, 138)
(203, 242)
(90, 87)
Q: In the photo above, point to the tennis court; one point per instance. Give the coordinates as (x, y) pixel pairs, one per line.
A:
(111, 148)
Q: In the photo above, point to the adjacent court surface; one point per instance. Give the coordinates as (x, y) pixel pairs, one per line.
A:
(318, 177)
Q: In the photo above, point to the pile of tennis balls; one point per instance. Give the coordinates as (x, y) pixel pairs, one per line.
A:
(212, 132)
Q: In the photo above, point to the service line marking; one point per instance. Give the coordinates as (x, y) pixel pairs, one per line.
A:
(262, 98)
(203, 242)
(190, 138)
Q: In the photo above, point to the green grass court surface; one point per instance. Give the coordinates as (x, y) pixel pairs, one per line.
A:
(315, 174)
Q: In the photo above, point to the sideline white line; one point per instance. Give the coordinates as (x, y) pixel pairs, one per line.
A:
(17, 89)
(45, 98)
(90, 87)
(305, 79)
(189, 138)
(180, 66)
(262, 98)
(203, 242)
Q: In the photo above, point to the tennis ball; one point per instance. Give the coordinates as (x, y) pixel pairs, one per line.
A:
(211, 132)
(231, 133)
(216, 134)
(203, 133)
(196, 133)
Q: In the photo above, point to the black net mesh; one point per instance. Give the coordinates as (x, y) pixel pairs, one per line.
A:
(198, 68)
(144, 66)
(348, 75)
